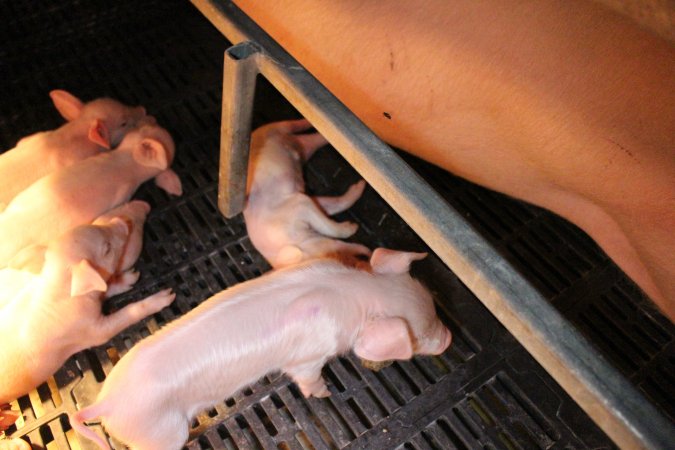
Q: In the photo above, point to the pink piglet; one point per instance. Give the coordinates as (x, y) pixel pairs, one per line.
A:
(79, 193)
(292, 320)
(91, 127)
(284, 224)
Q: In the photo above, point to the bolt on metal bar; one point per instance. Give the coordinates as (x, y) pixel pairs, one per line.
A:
(613, 403)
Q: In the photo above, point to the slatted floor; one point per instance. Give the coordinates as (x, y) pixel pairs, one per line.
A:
(484, 392)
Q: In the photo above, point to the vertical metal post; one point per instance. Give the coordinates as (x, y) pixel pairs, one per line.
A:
(239, 75)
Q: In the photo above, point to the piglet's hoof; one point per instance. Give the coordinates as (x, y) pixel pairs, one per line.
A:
(375, 366)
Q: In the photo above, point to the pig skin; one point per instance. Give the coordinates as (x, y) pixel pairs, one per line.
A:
(81, 192)
(14, 444)
(25, 267)
(92, 127)
(284, 224)
(292, 319)
(61, 312)
(134, 213)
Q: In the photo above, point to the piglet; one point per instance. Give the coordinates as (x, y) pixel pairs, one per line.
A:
(79, 193)
(24, 268)
(284, 224)
(292, 319)
(61, 312)
(90, 128)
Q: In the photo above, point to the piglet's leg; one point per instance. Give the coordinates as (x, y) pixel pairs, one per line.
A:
(322, 224)
(309, 143)
(334, 205)
(328, 246)
(309, 379)
(169, 181)
(122, 283)
(130, 314)
(172, 433)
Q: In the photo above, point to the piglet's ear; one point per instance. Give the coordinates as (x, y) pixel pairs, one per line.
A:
(384, 339)
(170, 182)
(123, 224)
(86, 279)
(99, 134)
(66, 104)
(389, 261)
(151, 153)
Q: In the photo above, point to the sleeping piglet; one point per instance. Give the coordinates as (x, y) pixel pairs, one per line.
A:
(24, 268)
(284, 224)
(60, 313)
(292, 319)
(79, 193)
(90, 128)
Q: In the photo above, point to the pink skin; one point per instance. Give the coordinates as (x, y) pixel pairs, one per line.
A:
(7, 416)
(27, 264)
(61, 312)
(14, 444)
(564, 104)
(81, 192)
(13, 281)
(292, 319)
(91, 128)
(284, 224)
(134, 213)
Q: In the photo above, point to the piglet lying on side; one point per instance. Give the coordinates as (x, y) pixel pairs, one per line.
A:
(60, 314)
(25, 267)
(293, 319)
(79, 193)
(91, 128)
(284, 224)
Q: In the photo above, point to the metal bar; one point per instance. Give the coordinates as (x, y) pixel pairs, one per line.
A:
(615, 405)
(239, 74)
